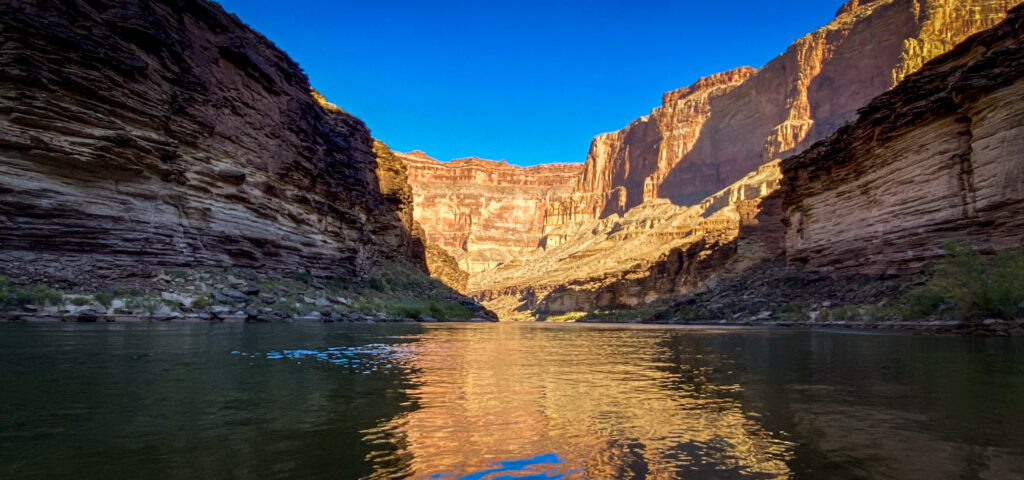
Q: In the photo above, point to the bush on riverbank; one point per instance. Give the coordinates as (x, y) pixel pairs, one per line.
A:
(13, 295)
(970, 286)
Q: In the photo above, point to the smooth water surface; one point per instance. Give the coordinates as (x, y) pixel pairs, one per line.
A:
(504, 401)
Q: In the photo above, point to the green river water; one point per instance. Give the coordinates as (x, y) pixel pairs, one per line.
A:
(504, 401)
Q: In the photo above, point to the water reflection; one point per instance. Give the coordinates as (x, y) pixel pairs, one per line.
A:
(492, 402)
(610, 404)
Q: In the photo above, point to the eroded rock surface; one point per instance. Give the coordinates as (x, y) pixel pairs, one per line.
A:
(635, 228)
(136, 135)
(653, 250)
(709, 135)
(485, 213)
(939, 157)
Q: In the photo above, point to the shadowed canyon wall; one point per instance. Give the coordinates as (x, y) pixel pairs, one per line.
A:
(138, 134)
(484, 212)
(940, 156)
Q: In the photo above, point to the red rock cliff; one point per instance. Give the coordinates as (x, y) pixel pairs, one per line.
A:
(482, 211)
(139, 134)
(709, 135)
(941, 156)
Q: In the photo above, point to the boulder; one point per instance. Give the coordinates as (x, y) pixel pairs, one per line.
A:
(182, 300)
(234, 294)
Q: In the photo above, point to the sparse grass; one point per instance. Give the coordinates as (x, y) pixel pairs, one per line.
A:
(687, 314)
(413, 308)
(567, 317)
(148, 304)
(284, 307)
(844, 313)
(970, 286)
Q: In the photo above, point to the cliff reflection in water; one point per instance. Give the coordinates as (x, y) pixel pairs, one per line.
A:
(608, 404)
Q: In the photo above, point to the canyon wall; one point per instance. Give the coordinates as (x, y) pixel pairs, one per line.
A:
(484, 212)
(939, 157)
(136, 135)
(709, 135)
(641, 224)
(653, 250)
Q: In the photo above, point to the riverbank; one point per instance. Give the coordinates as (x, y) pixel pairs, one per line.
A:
(23, 317)
(985, 328)
(963, 294)
(390, 294)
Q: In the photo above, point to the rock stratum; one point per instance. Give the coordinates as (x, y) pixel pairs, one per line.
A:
(483, 212)
(709, 135)
(136, 135)
(939, 157)
(644, 220)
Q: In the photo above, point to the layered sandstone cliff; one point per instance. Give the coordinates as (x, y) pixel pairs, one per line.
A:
(628, 234)
(136, 135)
(653, 250)
(941, 156)
(485, 213)
(711, 134)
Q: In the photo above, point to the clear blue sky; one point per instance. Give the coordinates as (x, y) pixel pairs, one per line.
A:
(523, 80)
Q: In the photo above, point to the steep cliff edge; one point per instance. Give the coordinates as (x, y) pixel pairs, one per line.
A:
(483, 212)
(711, 134)
(941, 156)
(162, 158)
(137, 134)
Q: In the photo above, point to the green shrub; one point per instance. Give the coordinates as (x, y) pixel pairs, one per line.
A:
(795, 311)
(303, 277)
(379, 283)
(200, 302)
(436, 311)
(456, 311)
(970, 286)
(79, 301)
(147, 304)
(412, 310)
(12, 295)
(104, 299)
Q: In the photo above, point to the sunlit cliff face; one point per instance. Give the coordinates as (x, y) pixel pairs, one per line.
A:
(488, 397)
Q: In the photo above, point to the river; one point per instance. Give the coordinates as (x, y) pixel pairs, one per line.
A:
(504, 401)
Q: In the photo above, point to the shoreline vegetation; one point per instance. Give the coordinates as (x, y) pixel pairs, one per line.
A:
(392, 293)
(963, 293)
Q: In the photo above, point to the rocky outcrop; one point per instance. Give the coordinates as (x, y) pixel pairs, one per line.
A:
(653, 250)
(709, 135)
(445, 268)
(136, 135)
(485, 213)
(941, 156)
